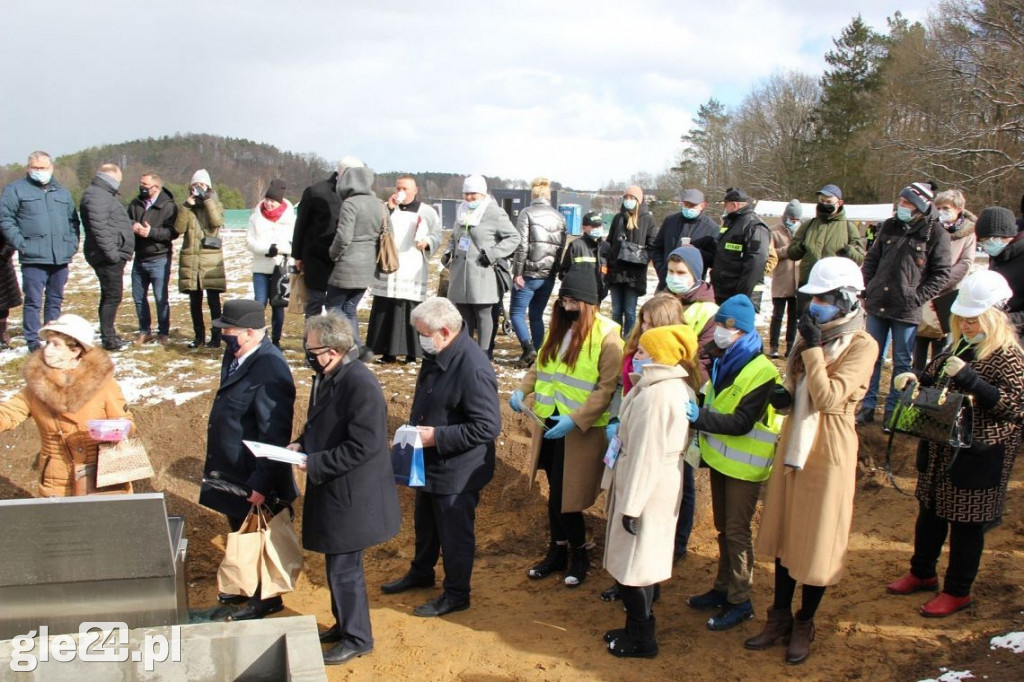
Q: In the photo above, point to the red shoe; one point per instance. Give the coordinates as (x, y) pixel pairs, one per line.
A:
(910, 583)
(945, 605)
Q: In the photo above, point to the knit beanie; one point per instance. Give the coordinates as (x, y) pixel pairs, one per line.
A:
(736, 194)
(995, 221)
(201, 176)
(737, 312)
(670, 345)
(581, 284)
(794, 209)
(276, 190)
(691, 256)
(635, 191)
(474, 184)
(920, 194)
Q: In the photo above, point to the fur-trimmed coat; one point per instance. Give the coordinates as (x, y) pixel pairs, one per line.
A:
(61, 403)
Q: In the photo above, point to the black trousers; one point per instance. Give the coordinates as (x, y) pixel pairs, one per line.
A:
(564, 526)
(780, 307)
(255, 601)
(966, 543)
(195, 309)
(111, 279)
(684, 526)
(349, 603)
(446, 526)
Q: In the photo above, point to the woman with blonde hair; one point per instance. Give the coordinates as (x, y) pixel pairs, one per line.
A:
(961, 493)
(68, 382)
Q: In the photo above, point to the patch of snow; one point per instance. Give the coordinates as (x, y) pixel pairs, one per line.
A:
(1014, 641)
(952, 676)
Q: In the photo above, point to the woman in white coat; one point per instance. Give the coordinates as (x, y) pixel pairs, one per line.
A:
(269, 238)
(647, 480)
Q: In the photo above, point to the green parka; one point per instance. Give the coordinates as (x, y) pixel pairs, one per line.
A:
(200, 268)
(820, 238)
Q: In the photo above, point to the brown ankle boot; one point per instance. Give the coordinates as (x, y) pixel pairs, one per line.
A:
(779, 625)
(800, 641)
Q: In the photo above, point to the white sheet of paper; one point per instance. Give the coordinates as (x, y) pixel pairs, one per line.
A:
(278, 454)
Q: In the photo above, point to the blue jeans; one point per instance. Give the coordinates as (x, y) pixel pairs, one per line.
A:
(346, 302)
(156, 273)
(624, 299)
(35, 279)
(534, 296)
(261, 292)
(903, 336)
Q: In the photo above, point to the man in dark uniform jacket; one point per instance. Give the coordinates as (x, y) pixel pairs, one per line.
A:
(742, 249)
(254, 402)
(350, 501)
(456, 410)
(316, 223)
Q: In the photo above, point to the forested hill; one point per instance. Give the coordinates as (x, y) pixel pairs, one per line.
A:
(240, 169)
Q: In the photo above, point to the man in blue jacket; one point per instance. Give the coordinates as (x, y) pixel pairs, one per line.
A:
(456, 410)
(38, 218)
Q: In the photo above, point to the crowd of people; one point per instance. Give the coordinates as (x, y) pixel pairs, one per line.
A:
(632, 406)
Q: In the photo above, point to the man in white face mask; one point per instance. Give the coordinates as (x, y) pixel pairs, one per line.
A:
(45, 237)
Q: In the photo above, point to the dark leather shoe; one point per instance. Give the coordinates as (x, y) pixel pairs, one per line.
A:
(440, 606)
(115, 345)
(331, 635)
(406, 582)
(255, 611)
(232, 599)
(342, 653)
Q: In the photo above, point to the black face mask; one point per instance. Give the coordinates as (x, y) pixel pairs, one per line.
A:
(313, 362)
(231, 343)
(571, 315)
(827, 209)
(143, 193)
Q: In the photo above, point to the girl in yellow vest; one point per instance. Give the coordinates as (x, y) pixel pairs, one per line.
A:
(808, 504)
(573, 381)
(646, 481)
(738, 429)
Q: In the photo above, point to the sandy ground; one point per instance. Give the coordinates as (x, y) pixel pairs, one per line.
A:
(519, 629)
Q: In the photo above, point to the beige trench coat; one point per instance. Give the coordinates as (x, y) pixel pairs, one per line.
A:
(584, 446)
(807, 513)
(647, 481)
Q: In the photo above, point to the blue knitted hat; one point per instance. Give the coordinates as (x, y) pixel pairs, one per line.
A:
(691, 256)
(737, 312)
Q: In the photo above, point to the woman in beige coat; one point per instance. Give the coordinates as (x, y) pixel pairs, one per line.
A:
(68, 382)
(808, 504)
(646, 484)
(573, 382)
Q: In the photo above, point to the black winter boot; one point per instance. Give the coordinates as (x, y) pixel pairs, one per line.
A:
(528, 357)
(214, 339)
(556, 559)
(578, 567)
(5, 338)
(200, 339)
(638, 641)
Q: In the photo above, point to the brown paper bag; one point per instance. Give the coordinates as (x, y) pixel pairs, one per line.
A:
(239, 571)
(298, 296)
(281, 560)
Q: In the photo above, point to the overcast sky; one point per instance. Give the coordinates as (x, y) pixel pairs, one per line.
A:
(580, 91)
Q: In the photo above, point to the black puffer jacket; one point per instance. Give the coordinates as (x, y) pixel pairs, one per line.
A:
(741, 254)
(160, 217)
(702, 232)
(1010, 264)
(906, 267)
(632, 275)
(541, 241)
(109, 238)
(315, 226)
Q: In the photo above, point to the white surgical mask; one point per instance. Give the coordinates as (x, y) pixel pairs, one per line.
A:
(427, 342)
(946, 215)
(59, 358)
(724, 337)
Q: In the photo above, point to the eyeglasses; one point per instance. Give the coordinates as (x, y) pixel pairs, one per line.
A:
(316, 350)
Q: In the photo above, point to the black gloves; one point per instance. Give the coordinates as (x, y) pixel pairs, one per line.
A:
(272, 253)
(484, 260)
(631, 524)
(809, 331)
(780, 399)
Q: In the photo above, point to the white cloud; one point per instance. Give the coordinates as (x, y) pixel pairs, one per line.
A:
(580, 91)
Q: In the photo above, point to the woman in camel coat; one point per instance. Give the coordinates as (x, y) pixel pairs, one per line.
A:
(67, 382)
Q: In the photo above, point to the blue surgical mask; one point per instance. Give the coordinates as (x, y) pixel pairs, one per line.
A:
(792, 224)
(597, 233)
(903, 214)
(993, 247)
(629, 204)
(976, 339)
(42, 177)
(822, 312)
(473, 205)
(638, 365)
(679, 284)
(691, 213)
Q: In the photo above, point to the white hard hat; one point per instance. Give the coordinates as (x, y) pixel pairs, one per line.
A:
(73, 326)
(834, 272)
(979, 292)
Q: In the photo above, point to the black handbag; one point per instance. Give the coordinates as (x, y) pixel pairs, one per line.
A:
(280, 287)
(211, 242)
(935, 414)
(631, 252)
(503, 272)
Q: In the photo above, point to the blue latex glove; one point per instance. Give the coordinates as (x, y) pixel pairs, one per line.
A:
(612, 429)
(564, 425)
(516, 401)
(692, 411)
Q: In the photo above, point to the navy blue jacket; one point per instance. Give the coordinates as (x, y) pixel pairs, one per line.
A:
(40, 222)
(316, 223)
(457, 394)
(702, 232)
(160, 216)
(350, 502)
(255, 403)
